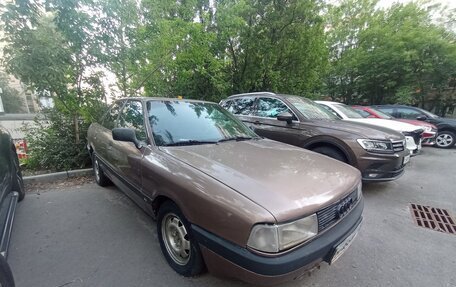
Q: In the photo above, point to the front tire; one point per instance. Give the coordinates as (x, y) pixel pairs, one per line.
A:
(445, 139)
(331, 152)
(18, 182)
(178, 246)
(100, 177)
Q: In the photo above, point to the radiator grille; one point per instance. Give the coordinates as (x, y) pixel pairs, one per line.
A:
(331, 214)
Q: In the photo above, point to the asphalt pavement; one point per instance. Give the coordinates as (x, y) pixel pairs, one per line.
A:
(93, 236)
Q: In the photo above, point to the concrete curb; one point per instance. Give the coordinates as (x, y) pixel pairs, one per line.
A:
(49, 177)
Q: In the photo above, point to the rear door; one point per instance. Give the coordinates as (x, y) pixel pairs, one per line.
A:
(266, 123)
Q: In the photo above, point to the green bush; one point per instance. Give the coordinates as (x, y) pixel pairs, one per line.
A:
(52, 143)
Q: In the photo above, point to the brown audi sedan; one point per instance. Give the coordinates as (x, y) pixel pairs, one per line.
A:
(377, 152)
(224, 198)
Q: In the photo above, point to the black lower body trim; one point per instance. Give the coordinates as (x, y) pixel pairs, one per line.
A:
(7, 211)
(321, 248)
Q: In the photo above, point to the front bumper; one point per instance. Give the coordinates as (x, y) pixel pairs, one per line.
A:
(226, 259)
(382, 167)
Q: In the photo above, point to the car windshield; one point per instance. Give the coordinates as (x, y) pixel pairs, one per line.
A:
(311, 110)
(382, 114)
(349, 112)
(177, 122)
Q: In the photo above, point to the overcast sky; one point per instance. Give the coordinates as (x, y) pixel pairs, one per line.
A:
(387, 3)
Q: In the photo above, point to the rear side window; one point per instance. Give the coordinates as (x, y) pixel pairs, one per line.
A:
(405, 113)
(363, 113)
(240, 106)
(271, 108)
(110, 118)
(132, 117)
(386, 110)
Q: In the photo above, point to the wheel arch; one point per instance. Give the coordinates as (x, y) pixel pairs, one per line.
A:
(326, 141)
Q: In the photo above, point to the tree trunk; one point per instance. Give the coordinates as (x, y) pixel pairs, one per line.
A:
(76, 128)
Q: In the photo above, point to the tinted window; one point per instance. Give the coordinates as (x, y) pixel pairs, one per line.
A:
(382, 115)
(330, 110)
(349, 112)
(405, 113)
(132, 117)
(241, 106)
(310, 109)
(110, 119)
(363, 113)
(271, 108)
(184, 122)
(386, 110)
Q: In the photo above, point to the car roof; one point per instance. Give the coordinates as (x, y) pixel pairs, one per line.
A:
(329, 102)
(397, 106)
(145, 99)
(267, 94)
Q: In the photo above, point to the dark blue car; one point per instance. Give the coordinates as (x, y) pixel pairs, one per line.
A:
(11, 192)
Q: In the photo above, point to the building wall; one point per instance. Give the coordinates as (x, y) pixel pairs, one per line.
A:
(29, 98)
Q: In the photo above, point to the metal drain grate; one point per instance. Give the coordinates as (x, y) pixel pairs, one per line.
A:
(433, 218)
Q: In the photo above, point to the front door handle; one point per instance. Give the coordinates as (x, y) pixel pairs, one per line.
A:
(256, 122)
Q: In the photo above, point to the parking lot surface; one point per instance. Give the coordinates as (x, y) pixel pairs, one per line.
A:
(93, 236)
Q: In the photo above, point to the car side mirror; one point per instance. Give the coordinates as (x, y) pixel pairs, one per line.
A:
(126, 135)
(286, 117)
(421, 118)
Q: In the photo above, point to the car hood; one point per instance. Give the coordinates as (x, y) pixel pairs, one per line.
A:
(417, 123)
(447, 121)
(287, 181)
(363, 130)
(391, 124)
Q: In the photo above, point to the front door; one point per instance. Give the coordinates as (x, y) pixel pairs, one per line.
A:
(267, 125)
(125, 157)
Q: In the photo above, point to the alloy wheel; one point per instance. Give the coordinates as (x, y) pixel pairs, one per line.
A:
(444, 140)
(176, 239)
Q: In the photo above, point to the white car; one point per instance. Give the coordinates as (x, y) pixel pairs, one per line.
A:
(412, 133)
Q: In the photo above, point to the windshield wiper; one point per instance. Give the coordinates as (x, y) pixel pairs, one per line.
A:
(237, 138)
(190, 142)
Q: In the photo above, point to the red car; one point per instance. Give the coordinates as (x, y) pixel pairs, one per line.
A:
(430, 130)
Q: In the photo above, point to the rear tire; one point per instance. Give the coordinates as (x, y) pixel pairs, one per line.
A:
(100, 177)
(331, 152)
(445, 139)
(6, 276)
(178, 246)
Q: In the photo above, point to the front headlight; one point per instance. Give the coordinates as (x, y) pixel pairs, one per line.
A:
(376, 145)
(359, 191)
(426, 128)
(278, 237)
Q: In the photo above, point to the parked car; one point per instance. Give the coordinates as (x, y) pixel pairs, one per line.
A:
(224, 198)
(11, 191)
(413, 135)
(378, 153)
(430, 130)
(446, 134)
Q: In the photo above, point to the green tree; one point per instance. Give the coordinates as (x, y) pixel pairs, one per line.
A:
(12, 102)
(273, 45)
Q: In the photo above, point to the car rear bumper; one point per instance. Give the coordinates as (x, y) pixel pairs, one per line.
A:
(226, 259)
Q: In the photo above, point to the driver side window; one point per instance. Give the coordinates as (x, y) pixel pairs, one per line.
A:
(405, 113)
(271, 108)
(132, 117)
